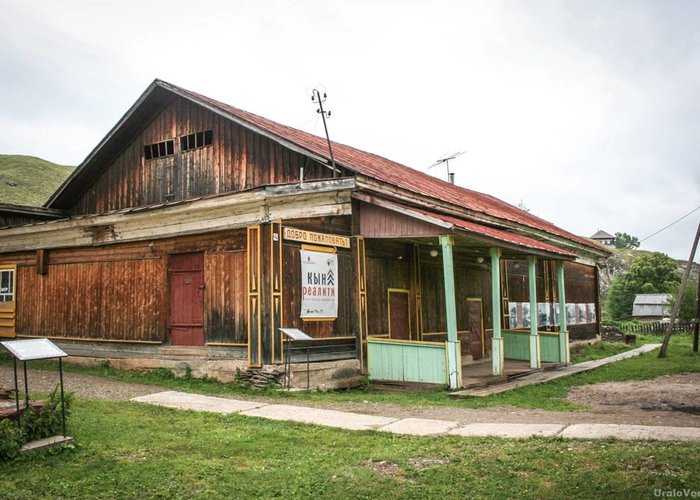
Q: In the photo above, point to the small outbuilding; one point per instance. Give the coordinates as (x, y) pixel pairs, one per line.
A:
(604, 238)
(651, 306)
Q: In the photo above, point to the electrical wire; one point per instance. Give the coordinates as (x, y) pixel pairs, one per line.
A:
(671, 224)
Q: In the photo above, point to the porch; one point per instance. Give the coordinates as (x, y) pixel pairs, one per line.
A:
(436, 298)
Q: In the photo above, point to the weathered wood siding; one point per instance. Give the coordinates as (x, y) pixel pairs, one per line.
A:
(238, 159)
(388, 266)
(469, 283)
(120, 292)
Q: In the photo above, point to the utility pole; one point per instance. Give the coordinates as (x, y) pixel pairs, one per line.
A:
(696, 328)
(316, 97)
(681, 290)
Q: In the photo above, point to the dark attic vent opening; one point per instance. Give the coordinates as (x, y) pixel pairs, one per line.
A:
(159, 149)
(196, 140)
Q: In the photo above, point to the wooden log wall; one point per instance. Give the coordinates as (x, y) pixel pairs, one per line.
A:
(120, 292)
(237, 159)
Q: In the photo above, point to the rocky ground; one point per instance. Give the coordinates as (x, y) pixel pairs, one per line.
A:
(669, 400)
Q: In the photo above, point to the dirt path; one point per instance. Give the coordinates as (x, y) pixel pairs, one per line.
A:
(652, 402)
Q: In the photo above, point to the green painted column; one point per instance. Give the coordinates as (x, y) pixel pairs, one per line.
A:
(454, 358)
(564, 353)
(497, 341)
(534, 336)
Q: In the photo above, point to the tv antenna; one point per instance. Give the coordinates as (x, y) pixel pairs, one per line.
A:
(320, 99)
(446, 161)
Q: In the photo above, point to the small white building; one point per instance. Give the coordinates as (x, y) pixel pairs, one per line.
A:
(651, 306)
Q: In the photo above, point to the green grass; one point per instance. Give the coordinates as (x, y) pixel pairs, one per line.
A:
(125, 450)
(604, 349)
(27, 180)
(550, 396)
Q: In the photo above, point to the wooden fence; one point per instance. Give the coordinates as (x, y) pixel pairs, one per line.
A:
(656, 327)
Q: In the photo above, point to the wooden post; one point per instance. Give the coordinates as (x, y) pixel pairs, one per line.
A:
(275, 287)
(681, 291)
(564, 353)
(696, 328)
(497, 353)
(358, 249)
(453, 352)
(253, 284)
(534, 336)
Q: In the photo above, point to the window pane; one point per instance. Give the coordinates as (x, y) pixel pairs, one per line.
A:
(208, 137)
(147, 152)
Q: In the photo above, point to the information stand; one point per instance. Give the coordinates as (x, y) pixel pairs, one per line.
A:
(30, 350)
(294, 335)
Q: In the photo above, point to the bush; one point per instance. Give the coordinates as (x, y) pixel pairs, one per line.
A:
(10, 440)
(33, 426)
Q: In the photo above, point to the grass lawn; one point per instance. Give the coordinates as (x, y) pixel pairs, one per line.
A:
(550, 396)
(126, 450)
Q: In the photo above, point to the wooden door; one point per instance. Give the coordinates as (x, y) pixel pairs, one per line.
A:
(8, 302)
(399, 314)
(187, 299)
(476, 328)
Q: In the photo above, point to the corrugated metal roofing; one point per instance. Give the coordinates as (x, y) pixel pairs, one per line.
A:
(498, 234)
(652, 298)
(391, 172)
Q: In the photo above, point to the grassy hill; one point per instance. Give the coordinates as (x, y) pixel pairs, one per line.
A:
(27, 180)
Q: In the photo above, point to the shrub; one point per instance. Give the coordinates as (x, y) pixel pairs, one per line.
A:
(33, 426)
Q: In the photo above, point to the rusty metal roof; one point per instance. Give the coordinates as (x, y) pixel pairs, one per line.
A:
(394, 173)
(352, 159)
(499, 234)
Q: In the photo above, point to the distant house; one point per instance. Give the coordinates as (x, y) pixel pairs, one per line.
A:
(651, 306)
(604, 238)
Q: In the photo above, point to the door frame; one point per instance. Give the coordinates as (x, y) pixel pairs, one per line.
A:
(483, 332)
(389, 291)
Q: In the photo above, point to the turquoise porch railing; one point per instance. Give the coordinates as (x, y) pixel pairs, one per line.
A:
(408, 361)
(517, 345)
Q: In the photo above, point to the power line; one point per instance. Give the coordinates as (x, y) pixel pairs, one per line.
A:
(671, 224)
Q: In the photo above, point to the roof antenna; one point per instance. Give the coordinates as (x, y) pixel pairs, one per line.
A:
(316, 97)
(446, 161)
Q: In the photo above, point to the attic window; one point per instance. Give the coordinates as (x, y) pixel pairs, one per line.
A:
(159, 149)
(194, 141)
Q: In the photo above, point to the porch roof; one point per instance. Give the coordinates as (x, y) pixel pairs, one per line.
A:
(388, 219)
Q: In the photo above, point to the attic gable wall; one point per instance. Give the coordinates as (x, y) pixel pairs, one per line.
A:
(237, 160)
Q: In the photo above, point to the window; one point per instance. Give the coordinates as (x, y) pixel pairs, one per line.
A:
(197, 140)
(159, 149)
(7, 285)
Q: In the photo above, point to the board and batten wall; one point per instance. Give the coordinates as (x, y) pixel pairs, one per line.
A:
(121, 291)
(238, 159)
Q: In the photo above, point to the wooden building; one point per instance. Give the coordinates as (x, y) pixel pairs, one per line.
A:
(195, 230)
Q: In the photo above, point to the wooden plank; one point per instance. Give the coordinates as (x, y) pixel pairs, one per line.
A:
(253, 285)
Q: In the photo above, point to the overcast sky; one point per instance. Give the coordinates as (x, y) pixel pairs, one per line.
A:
(587, 112)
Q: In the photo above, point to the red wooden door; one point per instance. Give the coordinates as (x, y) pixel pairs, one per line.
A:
(476, 332)
(399, 315)
(187, 299)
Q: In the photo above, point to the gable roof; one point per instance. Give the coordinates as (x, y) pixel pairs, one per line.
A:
(361, 162)
(602, 235)
(652, 298)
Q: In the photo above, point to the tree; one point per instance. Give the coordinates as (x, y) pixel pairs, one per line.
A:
(688, 303)
(650, 273)
(624, 240)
